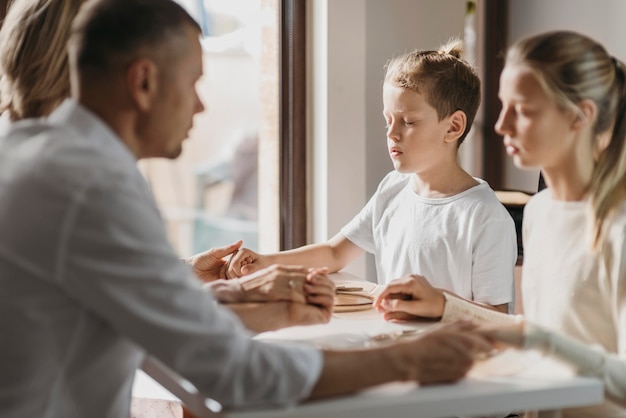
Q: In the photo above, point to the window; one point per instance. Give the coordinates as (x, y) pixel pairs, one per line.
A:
(209, 196)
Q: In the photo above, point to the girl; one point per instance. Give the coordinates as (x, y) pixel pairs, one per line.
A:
(563, 103)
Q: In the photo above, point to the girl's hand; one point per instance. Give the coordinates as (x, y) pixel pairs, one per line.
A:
(410, 297)
(504, 336)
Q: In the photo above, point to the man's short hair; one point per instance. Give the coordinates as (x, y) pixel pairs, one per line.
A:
(110, 33)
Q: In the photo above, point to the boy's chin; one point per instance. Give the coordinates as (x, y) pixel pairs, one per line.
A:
(402, 170)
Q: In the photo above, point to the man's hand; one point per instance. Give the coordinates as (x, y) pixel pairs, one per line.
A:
(211, 265)
(445, 355)
(308, 314)
(409, 298)
(279, 297)
(289, 283)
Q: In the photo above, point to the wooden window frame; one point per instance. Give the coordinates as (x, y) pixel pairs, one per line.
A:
(496, 32)
(292, 124)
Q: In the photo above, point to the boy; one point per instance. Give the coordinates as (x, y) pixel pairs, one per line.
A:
(429, 218)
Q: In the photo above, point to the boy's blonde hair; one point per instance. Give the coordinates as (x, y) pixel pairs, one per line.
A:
(34, 76)
(571, 68)
(447, 82)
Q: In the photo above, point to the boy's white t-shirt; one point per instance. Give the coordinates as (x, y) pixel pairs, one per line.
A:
(464, 243)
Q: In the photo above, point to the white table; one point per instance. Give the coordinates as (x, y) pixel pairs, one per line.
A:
(515, 381)
(511, 382)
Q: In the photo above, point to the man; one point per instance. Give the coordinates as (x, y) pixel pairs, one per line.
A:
(34, 81)
(88, 281)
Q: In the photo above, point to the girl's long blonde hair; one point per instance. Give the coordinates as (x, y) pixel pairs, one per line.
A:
(34, 75)
(572, 67)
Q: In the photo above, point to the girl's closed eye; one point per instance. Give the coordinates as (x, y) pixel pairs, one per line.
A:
(524, 110)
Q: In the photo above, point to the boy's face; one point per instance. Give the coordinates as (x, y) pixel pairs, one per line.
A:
(415, 136)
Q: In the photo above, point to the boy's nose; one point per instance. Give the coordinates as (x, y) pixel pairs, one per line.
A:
(392, 134)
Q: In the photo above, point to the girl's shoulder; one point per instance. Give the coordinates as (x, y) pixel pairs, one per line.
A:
(616, 225)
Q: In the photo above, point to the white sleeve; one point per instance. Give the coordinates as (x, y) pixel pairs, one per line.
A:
(457, 308)
(494, 258)
(587, 361)
(360, 229)
(119, 265)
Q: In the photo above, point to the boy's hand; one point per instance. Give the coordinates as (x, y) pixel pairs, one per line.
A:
(244, 262)
(211, 265)
(410, 297)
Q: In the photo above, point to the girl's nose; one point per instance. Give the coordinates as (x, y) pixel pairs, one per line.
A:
(502, 125)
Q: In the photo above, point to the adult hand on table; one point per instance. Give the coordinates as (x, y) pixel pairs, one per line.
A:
(441, 356)
(289, 283)
(211, 265)
(410, 297)
(445, 355)
(279, 296)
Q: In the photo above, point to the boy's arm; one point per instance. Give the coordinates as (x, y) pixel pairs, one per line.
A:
(333, 254)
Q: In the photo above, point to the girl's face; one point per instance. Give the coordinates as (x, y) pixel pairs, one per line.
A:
(537, 132)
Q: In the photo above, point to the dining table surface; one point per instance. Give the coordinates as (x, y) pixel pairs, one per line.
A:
(510, 381)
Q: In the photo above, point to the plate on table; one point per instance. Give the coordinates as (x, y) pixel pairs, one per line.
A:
(348, 302)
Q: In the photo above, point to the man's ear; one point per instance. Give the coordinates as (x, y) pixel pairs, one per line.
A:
(456, 127)
(142, 77)
(586, 115)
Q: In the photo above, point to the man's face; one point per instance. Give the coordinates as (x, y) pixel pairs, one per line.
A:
(171, 118)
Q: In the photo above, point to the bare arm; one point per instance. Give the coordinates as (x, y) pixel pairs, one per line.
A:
(441, 356)
(334, 254)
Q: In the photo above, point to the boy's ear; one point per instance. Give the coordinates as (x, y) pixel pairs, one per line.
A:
(458, 122)
(142, 78)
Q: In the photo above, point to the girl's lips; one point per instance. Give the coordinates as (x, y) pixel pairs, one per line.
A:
(511, 149)
(394, 152)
